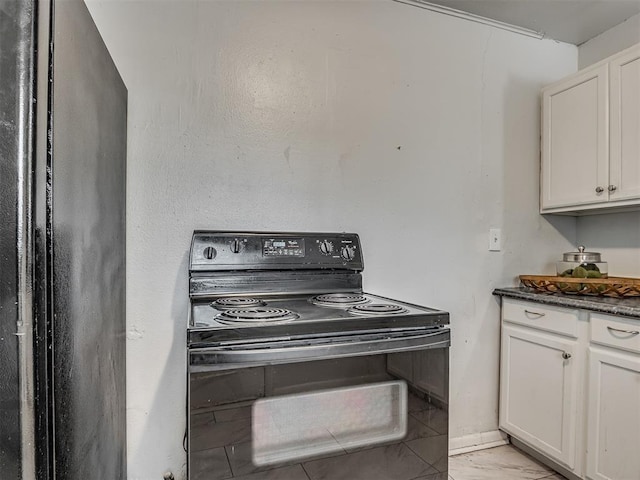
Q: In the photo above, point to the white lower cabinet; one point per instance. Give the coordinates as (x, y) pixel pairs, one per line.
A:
(539, 391)
(570, 389)
(613, 413)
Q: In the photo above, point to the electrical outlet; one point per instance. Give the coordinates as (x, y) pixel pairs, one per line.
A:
(495, 239)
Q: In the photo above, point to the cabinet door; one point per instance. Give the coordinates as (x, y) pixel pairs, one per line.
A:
(625, 126)
(575, 140)
(613, 424)
(538, 391)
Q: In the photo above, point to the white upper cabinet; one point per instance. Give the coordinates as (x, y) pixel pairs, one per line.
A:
(591, 138)
(624, 159)
(575, 139)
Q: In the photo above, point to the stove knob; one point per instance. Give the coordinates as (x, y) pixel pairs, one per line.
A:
(326, 247)
(235, 246)
(348, 252)
(209, 253)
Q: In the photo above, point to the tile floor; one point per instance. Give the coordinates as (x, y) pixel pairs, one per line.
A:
(499, 463)
(221, 448)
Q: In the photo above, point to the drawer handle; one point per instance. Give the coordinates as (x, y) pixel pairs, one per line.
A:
(631, 333)
(566, 355)
(535, 313)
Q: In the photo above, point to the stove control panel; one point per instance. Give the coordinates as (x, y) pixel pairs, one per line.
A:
(348, 252)
(326, 247)
(227, 251)
(278, 247)
(209, 253)
(236, 245)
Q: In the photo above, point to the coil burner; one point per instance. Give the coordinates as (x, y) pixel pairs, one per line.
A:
(339, 300)
(232, 303)
(377, 309)
(255, 315)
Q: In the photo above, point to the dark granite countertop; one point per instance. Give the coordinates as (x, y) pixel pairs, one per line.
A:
(626, 307)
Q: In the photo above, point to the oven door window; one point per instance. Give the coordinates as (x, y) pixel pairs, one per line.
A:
(304, 425)
(335, 418)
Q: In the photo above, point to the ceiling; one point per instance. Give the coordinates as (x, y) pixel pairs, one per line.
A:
(572, 21)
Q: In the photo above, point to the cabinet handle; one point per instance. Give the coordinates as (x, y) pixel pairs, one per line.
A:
(566, 355)
(612, 188)
(535, 313)
(632, 333)
(599, 189)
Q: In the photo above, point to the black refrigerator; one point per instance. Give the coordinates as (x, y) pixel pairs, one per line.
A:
(63, 110)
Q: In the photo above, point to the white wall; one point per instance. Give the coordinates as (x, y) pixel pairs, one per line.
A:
(418, 131)
(616, 236)
(612, 41)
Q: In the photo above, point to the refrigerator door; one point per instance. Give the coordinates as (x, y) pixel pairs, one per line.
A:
(17, 419)
(86, 251)
(62, 246)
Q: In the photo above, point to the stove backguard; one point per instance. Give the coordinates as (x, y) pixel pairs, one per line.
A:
(232, 251)
(249, 283)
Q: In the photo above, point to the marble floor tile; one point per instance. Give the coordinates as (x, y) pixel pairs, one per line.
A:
(209, 465)
(393, 462)
(416, 404)
(434, 418)
(294, 472)
(435, 476)
(241, 459)
(433, 450)
(229, 414)
(417, 429)
(199, 419)
(499, 463)
(211, 434)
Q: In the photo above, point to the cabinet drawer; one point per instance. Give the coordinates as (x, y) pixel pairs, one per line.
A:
(615, 332)
(551, 319)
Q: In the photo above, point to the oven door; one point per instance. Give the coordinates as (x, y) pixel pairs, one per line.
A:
(345, 407)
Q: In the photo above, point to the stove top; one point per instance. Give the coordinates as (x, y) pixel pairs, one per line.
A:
(232, 303)
(298, 308)
(255, 316)
(339, 300)
(250, 286)
(299, 315)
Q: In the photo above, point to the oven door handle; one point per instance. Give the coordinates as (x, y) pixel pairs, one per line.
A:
(225, 358)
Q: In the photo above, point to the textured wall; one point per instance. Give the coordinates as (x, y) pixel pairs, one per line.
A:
(416, 130)
(612, 41)
(617, 237)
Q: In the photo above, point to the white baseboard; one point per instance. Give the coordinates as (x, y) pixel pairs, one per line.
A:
(477, 441)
